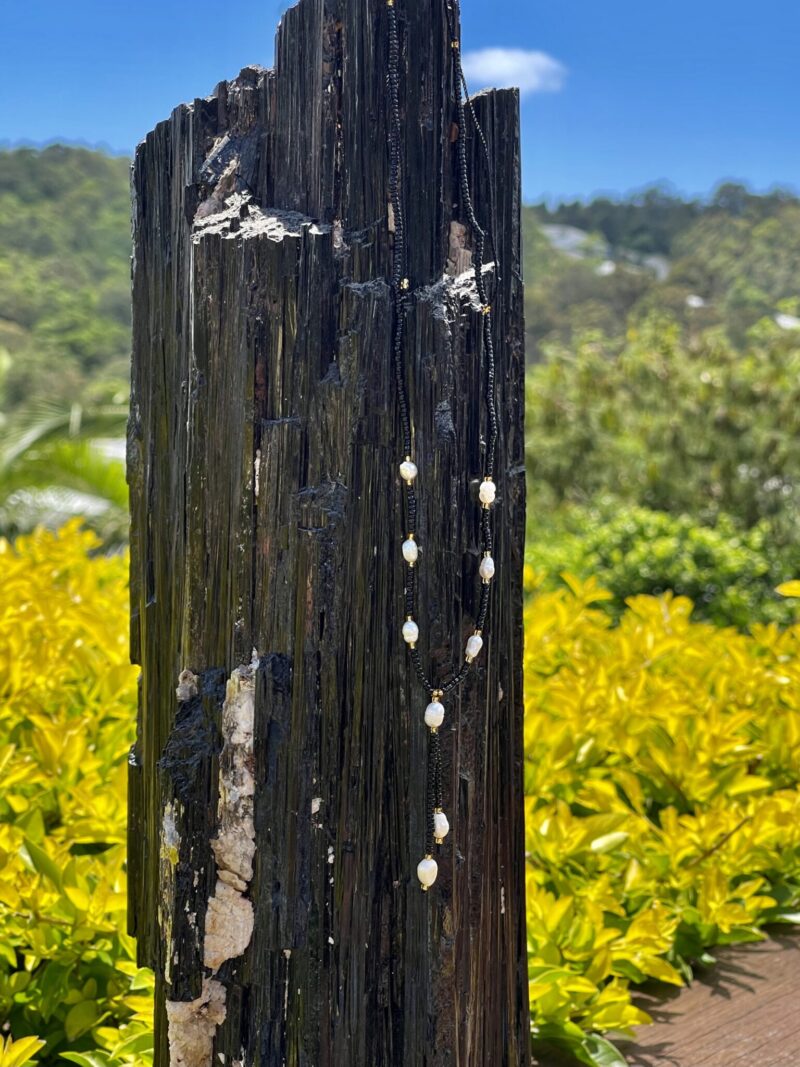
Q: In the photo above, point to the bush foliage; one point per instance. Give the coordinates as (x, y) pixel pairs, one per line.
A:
(661, 781)
(662, 801)
(690, 430)
(663, 464)
(67, 967)
(729, 573)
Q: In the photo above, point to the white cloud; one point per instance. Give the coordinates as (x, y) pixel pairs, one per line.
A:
(532, 72)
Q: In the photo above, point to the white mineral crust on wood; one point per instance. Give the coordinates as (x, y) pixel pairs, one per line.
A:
(238, 215)
(229, 915)
(192, 1025)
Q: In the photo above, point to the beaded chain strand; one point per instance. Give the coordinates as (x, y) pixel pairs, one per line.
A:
(437, 823)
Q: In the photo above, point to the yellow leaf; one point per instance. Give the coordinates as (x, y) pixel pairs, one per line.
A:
(78, 897)
(17, 1053)
(659, 968)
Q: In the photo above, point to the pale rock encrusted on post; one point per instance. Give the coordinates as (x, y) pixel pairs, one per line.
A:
(229, 915)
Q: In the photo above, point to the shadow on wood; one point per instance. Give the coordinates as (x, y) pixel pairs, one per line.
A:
(742, 1011)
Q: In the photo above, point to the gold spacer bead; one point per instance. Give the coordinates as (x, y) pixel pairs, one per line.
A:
(405, 283)
(436, 693)
(424, 888)
(486, 309)
(434, 729)
(454, 44)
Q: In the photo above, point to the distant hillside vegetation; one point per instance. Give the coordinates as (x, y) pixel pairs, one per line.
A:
(602, 265)
(726, 262)
(64, 275)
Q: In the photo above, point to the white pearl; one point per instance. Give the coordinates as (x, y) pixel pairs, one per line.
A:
(486, 568)
(410, 632)
(410, 551)
(434, 714)
(408, 470)
(427, 870)
(487, 491)
(441, 827)
(474, 645)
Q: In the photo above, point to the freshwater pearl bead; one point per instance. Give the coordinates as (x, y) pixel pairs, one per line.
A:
(441, 827)
(486, 568)
(408, 470)
(410, 551)
(474, 645)
(434, 714)
(410, 632)
(427, 870)
(487, 491)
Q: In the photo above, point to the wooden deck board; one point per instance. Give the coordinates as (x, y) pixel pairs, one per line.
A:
(745, 1011)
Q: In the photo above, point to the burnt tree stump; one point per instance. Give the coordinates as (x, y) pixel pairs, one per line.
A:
(277, 784)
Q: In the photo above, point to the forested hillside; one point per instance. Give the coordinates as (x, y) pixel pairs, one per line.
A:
(663, 338)
(64, 276)
(728, 262)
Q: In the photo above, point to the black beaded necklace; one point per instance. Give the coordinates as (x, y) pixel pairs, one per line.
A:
(437, 824)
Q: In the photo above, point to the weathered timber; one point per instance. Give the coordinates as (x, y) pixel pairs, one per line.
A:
(277, 784)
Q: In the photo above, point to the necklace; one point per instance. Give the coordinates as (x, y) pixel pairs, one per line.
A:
(437, 822)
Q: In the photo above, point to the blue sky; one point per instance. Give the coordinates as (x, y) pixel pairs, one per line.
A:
(618, 94)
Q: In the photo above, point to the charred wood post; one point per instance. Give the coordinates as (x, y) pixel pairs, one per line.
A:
(277, 784)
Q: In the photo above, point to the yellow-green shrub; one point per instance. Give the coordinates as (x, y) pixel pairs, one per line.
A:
(67, 709)
(662, 801)
(661, 781)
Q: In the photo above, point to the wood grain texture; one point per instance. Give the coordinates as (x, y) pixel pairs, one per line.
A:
(266, 518)
(741, 1012)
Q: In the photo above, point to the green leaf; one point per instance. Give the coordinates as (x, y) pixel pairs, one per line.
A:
(32, 824)
(80, 1018)
(52, 987)
(8, 954)
(564, 1033)
(86, 1059)
(42, 863)
(137, 1043)
(601, 1053)
(628, 969)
